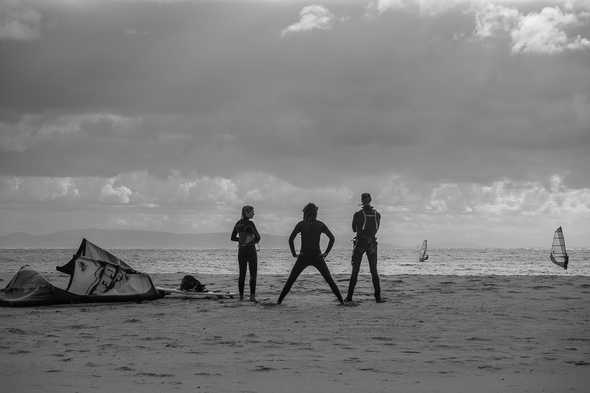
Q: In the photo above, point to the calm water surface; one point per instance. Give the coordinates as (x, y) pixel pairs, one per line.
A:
(391, 261)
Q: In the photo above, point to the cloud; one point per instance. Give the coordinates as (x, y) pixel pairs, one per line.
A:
(32, 130)
(19, 21)
(311, 17)
(380, 6)
(492, 20)
(544, 33)
(411, 209)
(508, 197)
(116, 195)
(436, 7)
(146, 190)
(25, 190)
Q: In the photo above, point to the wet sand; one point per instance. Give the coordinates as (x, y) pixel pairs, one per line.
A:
(434, 334)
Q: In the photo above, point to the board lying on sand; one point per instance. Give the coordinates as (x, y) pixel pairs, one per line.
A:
(177, 293)
(95, 276)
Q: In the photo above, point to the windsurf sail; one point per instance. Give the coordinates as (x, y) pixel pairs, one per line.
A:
(558, 253)
(423, 251)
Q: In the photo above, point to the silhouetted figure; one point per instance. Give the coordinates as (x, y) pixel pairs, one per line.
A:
(310, 253)
(365, 223)
(247, 236)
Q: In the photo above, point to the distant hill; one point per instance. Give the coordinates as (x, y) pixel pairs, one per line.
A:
(119, 238)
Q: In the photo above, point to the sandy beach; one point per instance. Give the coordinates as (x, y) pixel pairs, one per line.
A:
(434, 334)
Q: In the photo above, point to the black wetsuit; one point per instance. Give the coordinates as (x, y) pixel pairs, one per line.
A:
(310, 254)
(247, 235)
(365, 224)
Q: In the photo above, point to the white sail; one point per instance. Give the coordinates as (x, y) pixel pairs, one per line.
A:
(422, 251)
(558, 253)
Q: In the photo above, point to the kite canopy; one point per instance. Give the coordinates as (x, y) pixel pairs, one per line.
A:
(29, 288)
(95, 276)
(90, 250)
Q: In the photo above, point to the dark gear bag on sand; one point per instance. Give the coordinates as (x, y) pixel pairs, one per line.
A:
(190, 283)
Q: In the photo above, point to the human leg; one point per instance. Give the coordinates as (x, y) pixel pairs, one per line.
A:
(253, 266)
(357, 256)
(242, 263)
(325, 272)
(295, 272)
(372, 257)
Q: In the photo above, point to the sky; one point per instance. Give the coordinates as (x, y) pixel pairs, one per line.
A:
(467, 120)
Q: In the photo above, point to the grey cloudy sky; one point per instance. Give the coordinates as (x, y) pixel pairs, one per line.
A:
(469, 121)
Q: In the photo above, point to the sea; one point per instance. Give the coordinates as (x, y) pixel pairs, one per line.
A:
(392, 261)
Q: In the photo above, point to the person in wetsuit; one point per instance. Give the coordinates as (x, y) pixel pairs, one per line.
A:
(247, 236)
(310, 254)
(365, 223)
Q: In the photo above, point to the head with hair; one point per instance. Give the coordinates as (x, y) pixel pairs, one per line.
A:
(247, 211)
(310, 212)
(365, 198)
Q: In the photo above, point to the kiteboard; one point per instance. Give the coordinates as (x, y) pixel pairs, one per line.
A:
(180, 294)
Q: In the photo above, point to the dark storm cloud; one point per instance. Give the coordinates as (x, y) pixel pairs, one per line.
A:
(215, 88)
(172, 115)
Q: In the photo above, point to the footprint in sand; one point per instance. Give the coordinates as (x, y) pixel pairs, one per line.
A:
(156, 375)
(77, 327)
(380, 338)
(125, 368)
(352, 360)
(268, 303)
(264, 368)
(132, 320)
(489, 367)
(19, 352)
(15, 331)
(578, 362)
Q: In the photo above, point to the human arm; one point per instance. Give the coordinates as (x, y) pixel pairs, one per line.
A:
(234, 235)
(296, 231)
(256, 234)
(331, 238)
(378, 217)
(355, 222)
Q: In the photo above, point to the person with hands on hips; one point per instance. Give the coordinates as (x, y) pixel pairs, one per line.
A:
(310, 254)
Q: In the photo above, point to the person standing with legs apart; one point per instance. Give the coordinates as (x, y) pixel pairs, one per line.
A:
(365, 223)
(310, 254)
(247, 236)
